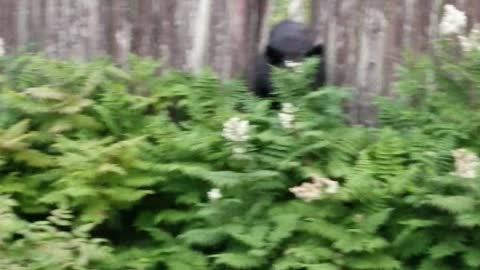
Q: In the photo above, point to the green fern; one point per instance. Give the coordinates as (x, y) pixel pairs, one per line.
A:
(101, 140)
(239, 261)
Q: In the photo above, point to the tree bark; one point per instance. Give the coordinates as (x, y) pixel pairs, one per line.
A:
(365, 41)
(188, 35)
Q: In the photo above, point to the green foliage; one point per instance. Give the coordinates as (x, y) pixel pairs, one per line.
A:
(50, 244)
(149, 163)
(280, 11)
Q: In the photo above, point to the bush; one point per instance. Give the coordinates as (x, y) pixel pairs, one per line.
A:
(182, 172)
(47, 244)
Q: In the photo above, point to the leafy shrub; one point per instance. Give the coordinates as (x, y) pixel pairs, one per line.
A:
(47, 244)
(182, 172)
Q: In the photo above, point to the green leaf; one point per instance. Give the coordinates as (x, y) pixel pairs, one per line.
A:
(203, 237)
(371, 223)
(285, 225)
(373, 261)
(447, 247)
(45, 93)
(321, 266)
(34, 158)
(472, 257)
(308, 253)
(239, 260)
(453, 204)
(170, 216)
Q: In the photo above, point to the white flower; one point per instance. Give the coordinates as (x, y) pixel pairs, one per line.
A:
(315, 190)
(286, 120)
(286, 116)
(2, 47)
(307, 192)
(454, 21)
(236, 130)
(288, 108)
(214, 194)
(331, 186)
(292, 64)
(466, 163)
(472, 41)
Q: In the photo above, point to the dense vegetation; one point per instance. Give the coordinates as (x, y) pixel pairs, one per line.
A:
(95, 174)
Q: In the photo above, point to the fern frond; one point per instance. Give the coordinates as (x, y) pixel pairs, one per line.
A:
(373, 261)
(239, 260)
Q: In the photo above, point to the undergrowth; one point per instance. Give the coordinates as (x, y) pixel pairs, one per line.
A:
(188, 173)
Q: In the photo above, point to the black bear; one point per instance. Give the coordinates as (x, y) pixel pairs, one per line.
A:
(289, 43)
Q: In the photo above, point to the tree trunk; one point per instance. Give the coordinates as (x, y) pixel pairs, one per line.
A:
(188, 35)
(366, 39)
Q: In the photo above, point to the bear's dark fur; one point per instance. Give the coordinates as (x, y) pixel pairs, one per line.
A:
(289, 43)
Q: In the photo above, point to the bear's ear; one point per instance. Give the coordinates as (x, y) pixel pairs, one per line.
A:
(273, 55)
(316, 50)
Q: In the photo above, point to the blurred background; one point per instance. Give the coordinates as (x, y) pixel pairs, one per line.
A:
(365, 39)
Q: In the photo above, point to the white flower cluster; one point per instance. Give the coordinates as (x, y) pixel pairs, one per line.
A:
(466, 163)
(316, 189)
(453, 21)
(287, 115)
(236, 130)
(292, 64)
(472, 41)
(214, 194)
(2, 47)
